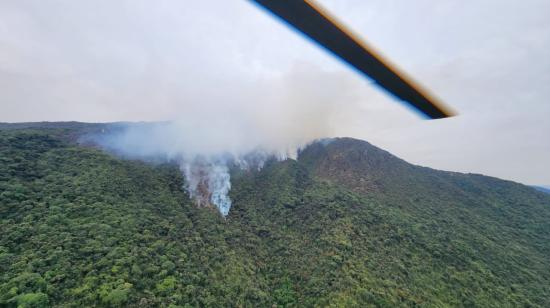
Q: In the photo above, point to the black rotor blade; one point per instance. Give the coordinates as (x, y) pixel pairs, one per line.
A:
(309, 19)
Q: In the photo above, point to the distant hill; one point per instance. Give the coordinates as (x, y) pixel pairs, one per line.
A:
(50, 125)
(346, 225)
(544, 189)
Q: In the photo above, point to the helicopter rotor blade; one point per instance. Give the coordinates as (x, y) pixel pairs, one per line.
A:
(307, 17)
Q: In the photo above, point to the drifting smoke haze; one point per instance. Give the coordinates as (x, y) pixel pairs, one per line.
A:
(271, 119)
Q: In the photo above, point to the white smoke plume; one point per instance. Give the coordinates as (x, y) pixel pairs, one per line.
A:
(273, 118)
(208, 182)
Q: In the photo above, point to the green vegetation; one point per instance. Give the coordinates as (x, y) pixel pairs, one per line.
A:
(347, 225)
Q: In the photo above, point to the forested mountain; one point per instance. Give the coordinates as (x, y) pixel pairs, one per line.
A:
(346, 225)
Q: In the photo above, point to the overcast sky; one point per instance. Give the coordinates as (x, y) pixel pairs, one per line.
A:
(106, 60)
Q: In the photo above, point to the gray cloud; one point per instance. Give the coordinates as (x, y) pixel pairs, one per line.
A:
(139, 60)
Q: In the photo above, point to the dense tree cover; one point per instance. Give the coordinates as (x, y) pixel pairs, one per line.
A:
(347, 225)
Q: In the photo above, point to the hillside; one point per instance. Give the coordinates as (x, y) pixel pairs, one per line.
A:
(347, 225)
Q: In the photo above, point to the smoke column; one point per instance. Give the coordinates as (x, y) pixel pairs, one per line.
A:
(272, 118)
(208, 183)
(205, 166)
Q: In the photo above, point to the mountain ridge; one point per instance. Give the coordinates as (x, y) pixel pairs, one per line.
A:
(83, 129)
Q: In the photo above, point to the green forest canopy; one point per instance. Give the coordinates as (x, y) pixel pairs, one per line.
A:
(80, 227)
